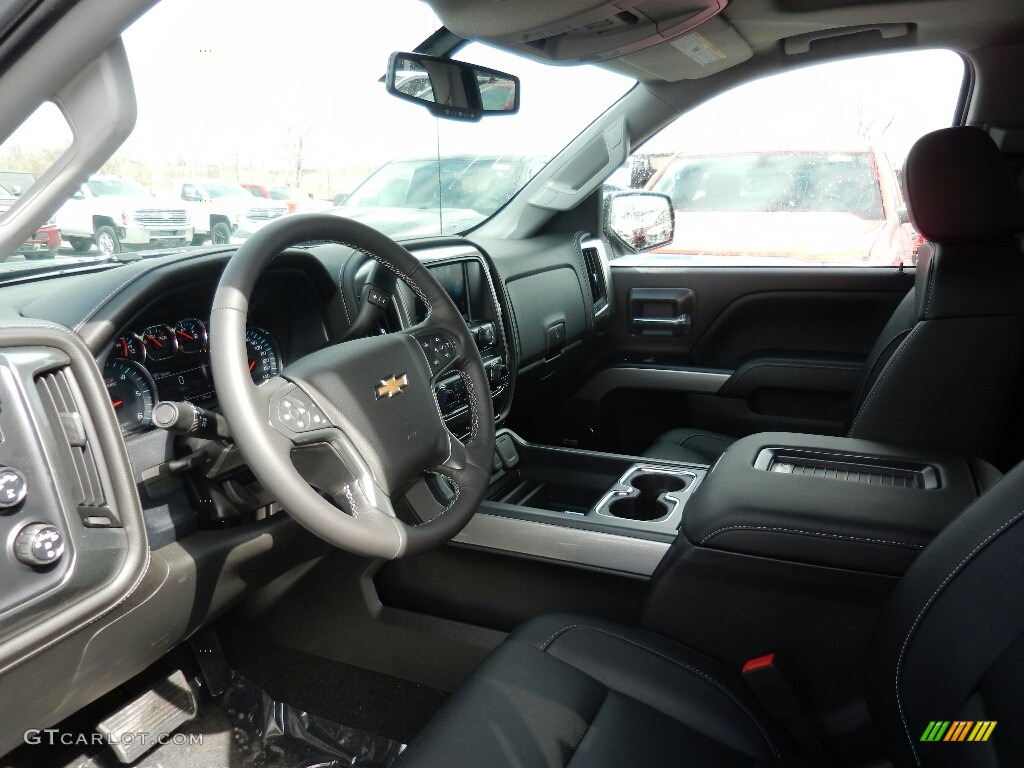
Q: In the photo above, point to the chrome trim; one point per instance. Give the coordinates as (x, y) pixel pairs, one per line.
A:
(624, 489)
(579, 546)
(705, 382)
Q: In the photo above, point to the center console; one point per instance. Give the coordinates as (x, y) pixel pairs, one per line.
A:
(595, 510)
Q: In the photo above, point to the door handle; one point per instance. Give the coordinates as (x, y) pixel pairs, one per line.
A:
(677, 326)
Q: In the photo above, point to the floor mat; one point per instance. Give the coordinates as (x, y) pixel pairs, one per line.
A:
(243, 728)
(361, 698)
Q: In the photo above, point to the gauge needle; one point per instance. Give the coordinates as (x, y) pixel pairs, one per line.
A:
(155, 340)
(252, 364)
(117, 403)
(184, 335)
(124, 347)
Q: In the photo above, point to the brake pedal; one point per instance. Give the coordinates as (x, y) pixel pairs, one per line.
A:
(139, 726)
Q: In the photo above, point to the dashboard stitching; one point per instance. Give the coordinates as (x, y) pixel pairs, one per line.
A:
(140, 274)
(822, 534)
(700, 673)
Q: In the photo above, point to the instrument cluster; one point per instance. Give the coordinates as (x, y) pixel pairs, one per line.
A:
(171, 361)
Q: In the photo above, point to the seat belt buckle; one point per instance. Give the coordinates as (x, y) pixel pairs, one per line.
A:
(768, 684)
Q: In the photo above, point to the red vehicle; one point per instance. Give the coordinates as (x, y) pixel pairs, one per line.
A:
(820, 205)
(43, 244)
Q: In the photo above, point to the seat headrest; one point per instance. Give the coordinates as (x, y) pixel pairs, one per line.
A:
(958, 188)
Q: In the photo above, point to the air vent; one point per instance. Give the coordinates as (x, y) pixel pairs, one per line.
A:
(595, 273)
(57, 392)
(866, 470)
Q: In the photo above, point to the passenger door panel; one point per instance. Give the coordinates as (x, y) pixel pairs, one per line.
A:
(765, 348)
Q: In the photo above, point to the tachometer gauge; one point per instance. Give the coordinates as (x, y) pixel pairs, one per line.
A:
(191, 335)
(161, 342)
(132, 393)
(130, 347)
(264, 359)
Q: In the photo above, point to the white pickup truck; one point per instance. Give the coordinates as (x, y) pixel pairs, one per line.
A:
(119, 214)
(221, 210)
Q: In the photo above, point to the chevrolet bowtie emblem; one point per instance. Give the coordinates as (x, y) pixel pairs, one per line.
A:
(392, 386)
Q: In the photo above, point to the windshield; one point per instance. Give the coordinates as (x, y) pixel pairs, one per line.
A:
(218, 191)
(116, 188)
(480, 183)
(321, 133)
(774, 182)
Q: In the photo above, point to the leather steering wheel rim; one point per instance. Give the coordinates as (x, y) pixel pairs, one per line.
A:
(359, 418)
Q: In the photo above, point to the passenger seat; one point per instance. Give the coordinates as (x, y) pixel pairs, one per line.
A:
(939, 374)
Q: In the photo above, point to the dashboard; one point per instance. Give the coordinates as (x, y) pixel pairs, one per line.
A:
(164, 531)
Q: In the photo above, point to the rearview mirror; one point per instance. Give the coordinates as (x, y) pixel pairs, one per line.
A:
(452, 89)
(641, 220)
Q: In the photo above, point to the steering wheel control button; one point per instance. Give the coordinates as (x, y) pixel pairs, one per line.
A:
(439, 349)
(377, 297)
(39, 544)
(13, 488)
(298, 413)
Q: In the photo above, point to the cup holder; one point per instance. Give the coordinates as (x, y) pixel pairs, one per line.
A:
(648, 504)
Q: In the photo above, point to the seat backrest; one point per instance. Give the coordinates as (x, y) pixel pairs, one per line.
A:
(940, 373)
(947, 657)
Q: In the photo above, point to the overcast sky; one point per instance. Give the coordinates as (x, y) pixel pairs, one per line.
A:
(220, 78)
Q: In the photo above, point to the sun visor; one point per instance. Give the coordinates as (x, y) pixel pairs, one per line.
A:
(571, 31)
(712, 47)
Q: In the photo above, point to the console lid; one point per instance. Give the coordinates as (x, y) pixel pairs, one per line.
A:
(830, 501)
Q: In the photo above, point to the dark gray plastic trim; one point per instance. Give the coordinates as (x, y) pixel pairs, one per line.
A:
(57, 618)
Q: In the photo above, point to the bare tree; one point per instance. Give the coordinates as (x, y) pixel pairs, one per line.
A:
(298, 151)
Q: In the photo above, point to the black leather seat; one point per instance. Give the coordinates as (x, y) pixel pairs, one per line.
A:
(574, 691)
(939, 374)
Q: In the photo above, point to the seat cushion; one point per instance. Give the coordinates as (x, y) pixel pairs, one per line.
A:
(572, 689)
(697, 446)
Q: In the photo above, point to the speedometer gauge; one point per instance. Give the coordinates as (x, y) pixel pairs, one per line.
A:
(132, 393)
(261, 351)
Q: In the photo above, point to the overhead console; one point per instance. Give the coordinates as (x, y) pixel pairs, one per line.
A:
(577, 30)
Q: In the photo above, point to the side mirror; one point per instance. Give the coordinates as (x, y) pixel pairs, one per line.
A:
(452, 89)
(640, 220)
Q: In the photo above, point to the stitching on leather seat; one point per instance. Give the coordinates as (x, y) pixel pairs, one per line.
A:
(897, 338)
(823, 534)
(693, 670)
(881, 377)
(917, 621)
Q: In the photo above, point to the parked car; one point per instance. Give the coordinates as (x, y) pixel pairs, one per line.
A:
(821, 205)
(44, 243)
(117, 214)
(221, 210)
(408, 197)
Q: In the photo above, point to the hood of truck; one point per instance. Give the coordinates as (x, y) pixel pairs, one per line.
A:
(811, 237)
(411, 222)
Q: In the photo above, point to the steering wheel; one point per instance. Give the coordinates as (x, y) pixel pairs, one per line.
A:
(344, 432)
